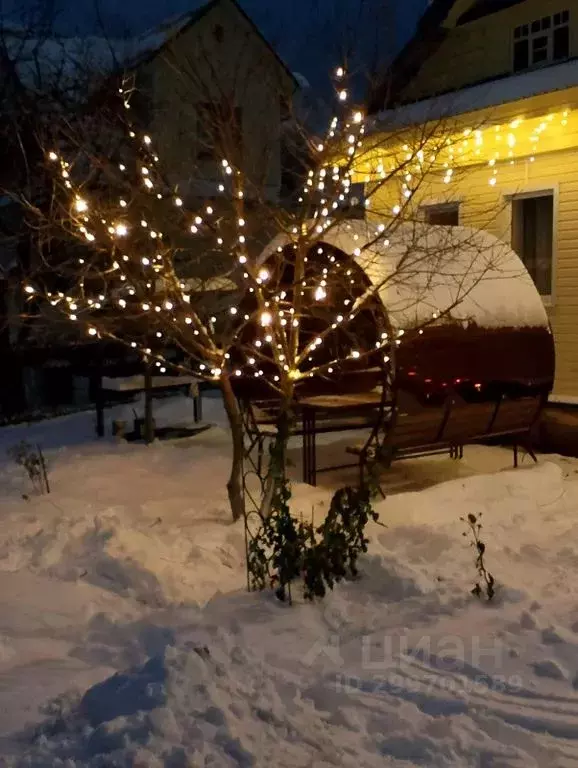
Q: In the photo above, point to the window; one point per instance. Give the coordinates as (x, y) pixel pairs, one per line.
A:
(532, 236)
(543, 41)
(356, 208)
(219, 33)
(219, 131)
(445, 214)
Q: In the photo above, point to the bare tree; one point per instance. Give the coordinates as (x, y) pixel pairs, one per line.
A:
(168, 259)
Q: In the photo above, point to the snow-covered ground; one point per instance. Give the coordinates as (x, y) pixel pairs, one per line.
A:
(127, 638)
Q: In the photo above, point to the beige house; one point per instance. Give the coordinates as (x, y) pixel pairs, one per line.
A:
(505, 72)
(208, 67)
(208, 86)
(214, 86)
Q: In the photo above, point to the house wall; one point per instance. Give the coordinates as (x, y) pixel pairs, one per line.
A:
(219, 57)
(482, 49)
(489, 207)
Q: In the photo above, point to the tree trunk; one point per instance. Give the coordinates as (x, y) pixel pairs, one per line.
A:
(277, 473)
(235, 482)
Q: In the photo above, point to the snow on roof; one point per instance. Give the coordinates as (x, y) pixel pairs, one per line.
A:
(420, 270)
(301, 80)
(508, 89)
(41, 62)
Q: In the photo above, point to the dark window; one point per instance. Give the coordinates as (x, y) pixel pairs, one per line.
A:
(356, 208)
(542, 41)
(446, 214)
(220, 132)
(539, 49)
(561, 38)
(532, 237)
(142, 101)
(521, 55)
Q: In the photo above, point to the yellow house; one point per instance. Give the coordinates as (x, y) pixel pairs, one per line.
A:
(505, 73)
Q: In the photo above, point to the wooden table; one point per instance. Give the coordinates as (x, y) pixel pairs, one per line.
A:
(333, 413)
(138, 384)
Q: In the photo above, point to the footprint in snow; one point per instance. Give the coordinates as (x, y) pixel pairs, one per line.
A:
(549, 668)
(550, 636)
(527, 621)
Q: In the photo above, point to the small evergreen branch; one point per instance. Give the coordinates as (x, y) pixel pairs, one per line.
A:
(485, 586)
(285, 549)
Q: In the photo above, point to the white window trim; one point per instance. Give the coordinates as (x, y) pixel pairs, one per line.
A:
(538, 190)
(549, 33)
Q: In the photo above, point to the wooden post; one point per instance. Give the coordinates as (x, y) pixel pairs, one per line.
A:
(99, 397)
(149, 427)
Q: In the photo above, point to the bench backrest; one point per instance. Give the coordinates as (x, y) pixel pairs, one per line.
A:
(516, 415)
(459, 422)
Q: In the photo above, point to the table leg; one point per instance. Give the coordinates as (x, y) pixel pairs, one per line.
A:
(309, 450)
(99, 403)
(195, 393)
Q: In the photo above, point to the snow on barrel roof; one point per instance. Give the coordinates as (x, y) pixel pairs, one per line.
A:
(420, 270)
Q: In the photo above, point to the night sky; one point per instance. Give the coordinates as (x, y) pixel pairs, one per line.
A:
(310, 35)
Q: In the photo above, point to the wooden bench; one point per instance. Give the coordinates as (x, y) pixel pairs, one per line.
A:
(426, 431)
(136, 384)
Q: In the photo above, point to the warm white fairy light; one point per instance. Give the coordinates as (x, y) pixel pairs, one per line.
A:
(266, 319)
(279, 318)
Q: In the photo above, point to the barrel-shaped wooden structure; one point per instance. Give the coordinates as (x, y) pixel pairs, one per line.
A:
(474, 352)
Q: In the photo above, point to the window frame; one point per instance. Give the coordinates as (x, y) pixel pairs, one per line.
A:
(528, 34)
(445, 205)
(531, 191)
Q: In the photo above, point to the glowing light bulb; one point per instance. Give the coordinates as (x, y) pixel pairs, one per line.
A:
(121, 230)
(266, 319)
